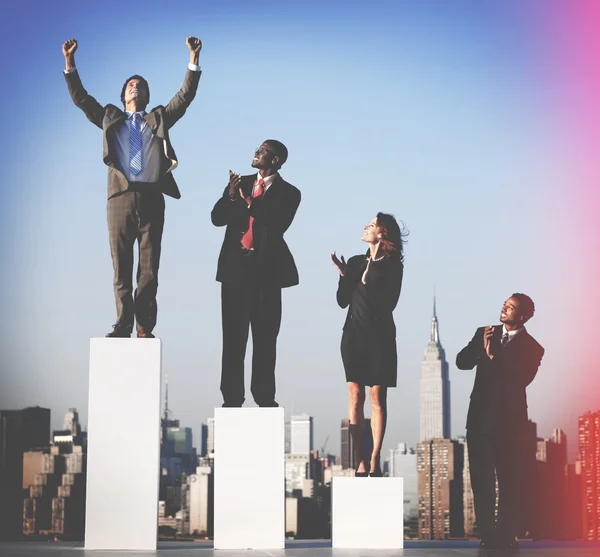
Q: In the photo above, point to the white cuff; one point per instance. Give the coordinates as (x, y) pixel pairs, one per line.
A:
(70, 71)
(193, 67)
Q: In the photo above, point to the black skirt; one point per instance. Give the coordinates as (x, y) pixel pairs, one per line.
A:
(369, 360)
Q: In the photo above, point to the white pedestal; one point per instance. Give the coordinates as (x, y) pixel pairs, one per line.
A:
(367, 513)
(249, 478)
(123, 459)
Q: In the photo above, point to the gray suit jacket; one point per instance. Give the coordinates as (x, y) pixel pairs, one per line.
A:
(160, 120)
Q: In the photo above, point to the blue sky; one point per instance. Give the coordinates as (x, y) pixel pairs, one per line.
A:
(438, 112)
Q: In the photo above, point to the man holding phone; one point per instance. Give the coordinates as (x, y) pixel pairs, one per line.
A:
(255, 263)
(507, 359)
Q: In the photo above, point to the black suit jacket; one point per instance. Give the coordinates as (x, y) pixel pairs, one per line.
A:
(273, 214)
(499, 401)
(160, 120)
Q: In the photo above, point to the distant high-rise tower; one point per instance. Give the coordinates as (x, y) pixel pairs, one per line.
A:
(71, 422)
(440, 464)
(589, 453)
(435, 387)
(348, 454)
(301, 434)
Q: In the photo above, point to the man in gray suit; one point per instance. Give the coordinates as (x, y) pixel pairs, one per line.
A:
(140, 158)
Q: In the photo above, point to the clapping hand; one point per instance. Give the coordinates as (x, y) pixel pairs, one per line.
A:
(487, 341)
(340, 264)
(234, 184)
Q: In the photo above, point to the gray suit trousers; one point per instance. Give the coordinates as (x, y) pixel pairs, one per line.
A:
(136, 215)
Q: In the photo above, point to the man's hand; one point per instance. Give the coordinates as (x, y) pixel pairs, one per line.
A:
(68, 49)
(487, 341)
(234, 184)
(340, 264)
(195, 46)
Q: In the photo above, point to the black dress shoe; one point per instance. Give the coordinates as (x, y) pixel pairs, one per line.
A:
(119, 331)
(486, 543)
(270, 404)
(507, 545)
(231, 405)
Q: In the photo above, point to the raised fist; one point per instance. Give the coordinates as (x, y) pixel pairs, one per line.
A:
(194, 44)
(69, 47)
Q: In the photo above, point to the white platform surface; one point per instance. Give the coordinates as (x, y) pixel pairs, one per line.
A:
(249, 480)
(367, 513)
(123, 459)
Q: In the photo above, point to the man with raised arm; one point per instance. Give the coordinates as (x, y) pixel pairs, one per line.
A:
(140, 158)
(507, 359)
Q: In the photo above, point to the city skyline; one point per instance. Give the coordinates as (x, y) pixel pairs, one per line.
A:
(461, 122)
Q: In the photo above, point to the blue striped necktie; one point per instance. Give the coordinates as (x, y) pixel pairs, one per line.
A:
(135, 144)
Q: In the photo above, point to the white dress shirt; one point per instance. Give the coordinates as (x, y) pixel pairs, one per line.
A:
(511, 334)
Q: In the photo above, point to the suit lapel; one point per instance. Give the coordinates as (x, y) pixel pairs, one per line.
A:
(516, 342)
(496, 342)
(118, 118)
(275, 185)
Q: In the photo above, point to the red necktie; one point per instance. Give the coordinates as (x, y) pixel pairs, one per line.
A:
(247, 240)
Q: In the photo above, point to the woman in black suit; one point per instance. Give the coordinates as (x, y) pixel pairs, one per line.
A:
(370, 286)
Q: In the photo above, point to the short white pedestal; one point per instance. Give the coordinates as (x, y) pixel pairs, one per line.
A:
(249, 478)
(123, 459)
(367, 513)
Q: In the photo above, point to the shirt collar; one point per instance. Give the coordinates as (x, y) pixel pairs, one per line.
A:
(511, 333)
(268, 180)
(142, 113)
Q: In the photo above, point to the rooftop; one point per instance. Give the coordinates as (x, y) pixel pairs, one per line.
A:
(301, 548)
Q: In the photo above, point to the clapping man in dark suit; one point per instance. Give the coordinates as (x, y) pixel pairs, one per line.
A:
(140, 158)
(507, 359)
(255, 263)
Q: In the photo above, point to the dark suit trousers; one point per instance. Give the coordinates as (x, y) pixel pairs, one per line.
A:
(500, 455)
(244, 306)
(136, 216)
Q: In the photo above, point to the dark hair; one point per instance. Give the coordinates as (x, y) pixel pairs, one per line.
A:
(144, 84)
(526, 305)
(392, 236)
(280, 150)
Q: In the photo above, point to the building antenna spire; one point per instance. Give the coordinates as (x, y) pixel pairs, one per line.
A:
(166, 415)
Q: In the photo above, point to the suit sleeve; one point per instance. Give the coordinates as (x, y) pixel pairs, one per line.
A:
(385, 293)
(90, 106)
(470, 355)
(531, 364)
(227, 210)
(348, 282)
(183, 98)
(279, 215)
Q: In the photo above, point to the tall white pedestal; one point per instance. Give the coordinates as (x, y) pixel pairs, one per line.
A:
(367, 513)
(123, 460)
(249, 478)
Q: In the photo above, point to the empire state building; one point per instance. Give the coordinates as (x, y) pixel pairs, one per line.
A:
(435, 388)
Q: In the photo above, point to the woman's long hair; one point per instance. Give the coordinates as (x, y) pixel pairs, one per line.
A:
(392, 237)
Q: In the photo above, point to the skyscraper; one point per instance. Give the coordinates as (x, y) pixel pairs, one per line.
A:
(589, 452)
(440, 469)
(348, 456)
(210, 437)
(403, 464)
(20, 431)
(435, 387)
(302, 434)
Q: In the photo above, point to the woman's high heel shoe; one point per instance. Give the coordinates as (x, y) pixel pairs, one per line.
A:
(361, 474)
(377, 473)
